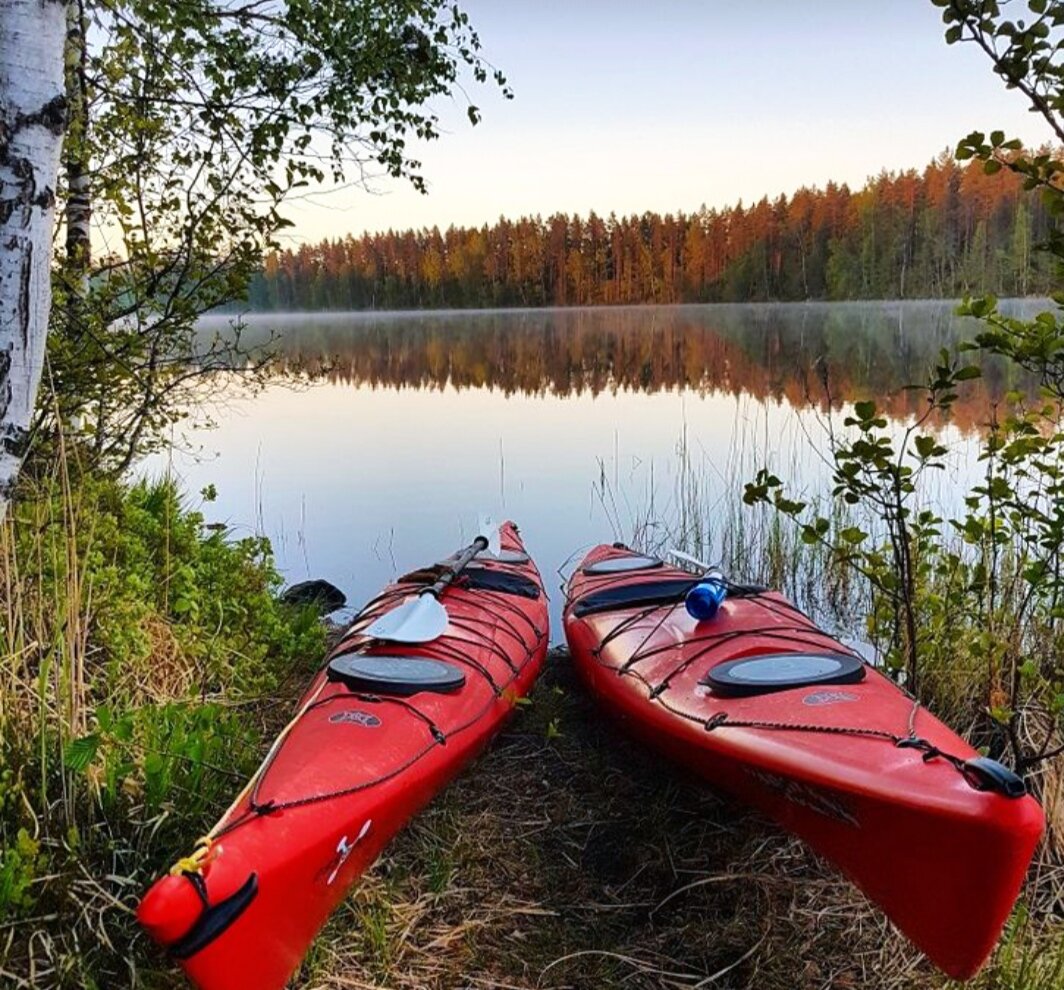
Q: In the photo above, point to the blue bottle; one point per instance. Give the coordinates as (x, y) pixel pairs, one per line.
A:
(704, 600)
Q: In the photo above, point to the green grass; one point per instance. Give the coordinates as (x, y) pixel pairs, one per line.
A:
(142, 654)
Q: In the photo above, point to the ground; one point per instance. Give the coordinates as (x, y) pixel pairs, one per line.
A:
(568, 857)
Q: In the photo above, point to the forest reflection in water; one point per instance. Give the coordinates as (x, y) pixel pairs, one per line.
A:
(579, 424)
(804, 353)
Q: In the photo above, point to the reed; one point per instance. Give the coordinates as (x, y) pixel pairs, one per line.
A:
(698, 509)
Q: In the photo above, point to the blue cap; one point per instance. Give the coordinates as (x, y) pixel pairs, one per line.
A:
(705, 598)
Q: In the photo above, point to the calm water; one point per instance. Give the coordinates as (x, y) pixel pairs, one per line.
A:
(386, 435)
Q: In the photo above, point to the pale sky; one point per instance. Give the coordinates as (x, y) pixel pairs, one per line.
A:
(633, 105)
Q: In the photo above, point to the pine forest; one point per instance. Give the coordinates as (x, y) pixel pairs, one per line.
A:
(939, 233)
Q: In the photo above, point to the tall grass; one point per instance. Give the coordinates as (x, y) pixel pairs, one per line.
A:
(694, 504)
(140, 653)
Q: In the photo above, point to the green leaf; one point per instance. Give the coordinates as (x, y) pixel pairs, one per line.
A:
(925, 446)
(79, 753)
(853, 534)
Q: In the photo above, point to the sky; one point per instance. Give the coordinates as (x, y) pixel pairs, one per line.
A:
(633, 105)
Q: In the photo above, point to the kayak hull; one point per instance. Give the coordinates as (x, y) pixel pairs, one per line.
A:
(352, 769)
(945, 861)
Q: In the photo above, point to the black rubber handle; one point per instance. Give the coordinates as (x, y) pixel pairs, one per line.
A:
(985, 774)
(477, 546)
(215, 920)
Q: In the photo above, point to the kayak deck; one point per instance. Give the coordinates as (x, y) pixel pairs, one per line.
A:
(859, 770)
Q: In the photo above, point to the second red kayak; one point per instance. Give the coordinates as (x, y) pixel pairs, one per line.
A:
(760, 702)
(382, 728)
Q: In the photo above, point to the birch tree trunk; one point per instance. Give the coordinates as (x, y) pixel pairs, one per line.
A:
(32, 116)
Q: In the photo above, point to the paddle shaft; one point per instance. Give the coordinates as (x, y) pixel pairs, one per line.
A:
(477, 546)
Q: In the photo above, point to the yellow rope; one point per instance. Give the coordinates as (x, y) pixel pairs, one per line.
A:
(195, 862)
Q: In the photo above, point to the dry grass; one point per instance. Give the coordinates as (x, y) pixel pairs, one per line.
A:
(580, 861)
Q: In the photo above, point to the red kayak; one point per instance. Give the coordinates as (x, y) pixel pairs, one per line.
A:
(382, 728)
(763, 704)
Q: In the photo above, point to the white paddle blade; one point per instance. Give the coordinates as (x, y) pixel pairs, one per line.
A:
(489, 529)
(686, 558)
(417, 620)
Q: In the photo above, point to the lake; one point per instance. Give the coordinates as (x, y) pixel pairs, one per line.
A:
(385, 435)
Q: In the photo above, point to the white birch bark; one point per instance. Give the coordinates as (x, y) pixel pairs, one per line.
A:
(32, 115)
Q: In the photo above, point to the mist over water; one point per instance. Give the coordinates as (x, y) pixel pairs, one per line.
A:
(385, 435)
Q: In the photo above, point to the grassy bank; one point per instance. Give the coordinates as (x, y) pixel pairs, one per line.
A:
(144, 656)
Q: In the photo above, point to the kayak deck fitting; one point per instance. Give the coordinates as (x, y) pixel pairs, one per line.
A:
(761, 703)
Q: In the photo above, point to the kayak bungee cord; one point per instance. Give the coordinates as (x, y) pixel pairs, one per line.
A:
(927, 750)
(257, 808)
(744, 591)
(444, 647)
(439, 737)
(807, 635)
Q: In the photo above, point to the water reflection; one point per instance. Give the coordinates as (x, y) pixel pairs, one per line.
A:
(802, 353)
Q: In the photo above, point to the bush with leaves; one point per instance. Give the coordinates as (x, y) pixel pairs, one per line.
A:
(968, 609)
(147, 656)
(191, 123)
(965, 609)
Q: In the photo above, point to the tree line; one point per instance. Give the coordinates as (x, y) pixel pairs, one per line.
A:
(939, 233)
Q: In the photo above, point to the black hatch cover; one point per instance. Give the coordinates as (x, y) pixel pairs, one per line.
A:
(642, 594)
(506, 582)
(395, 675)
(764, 673)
